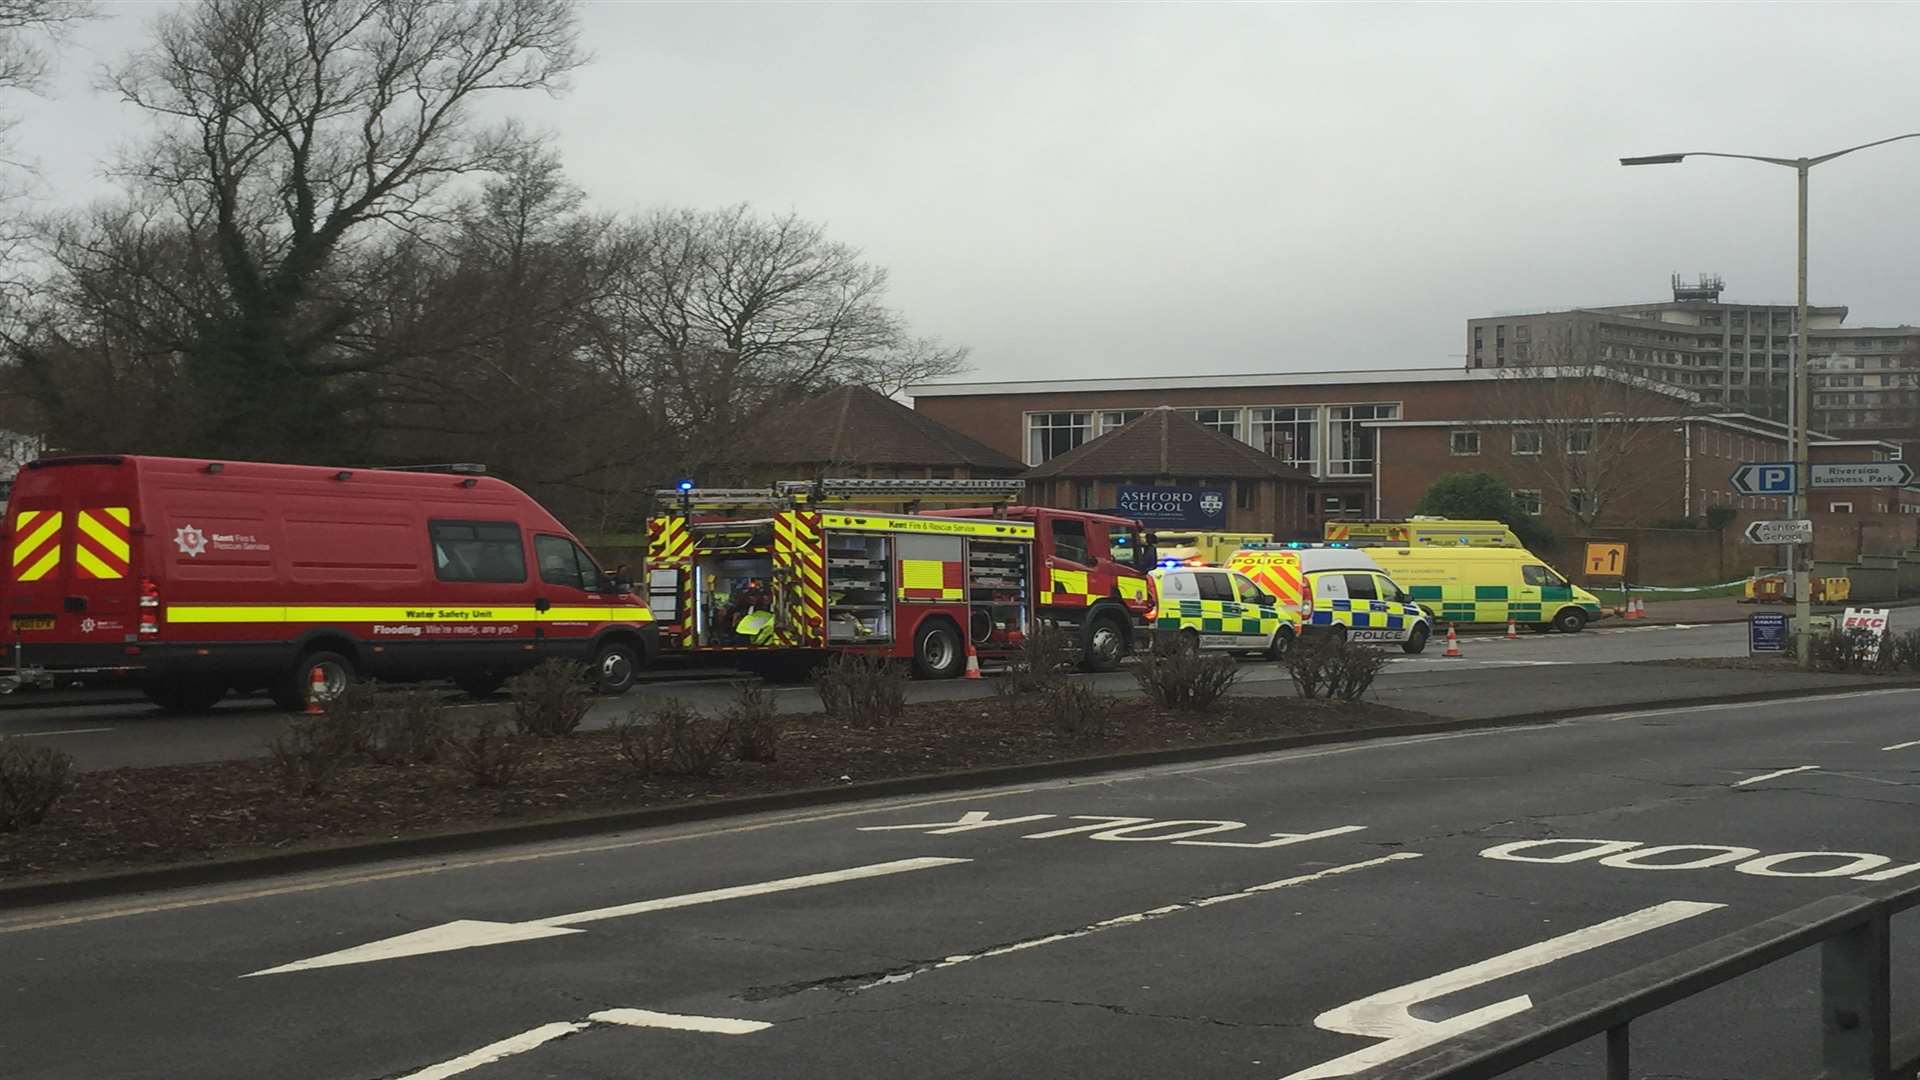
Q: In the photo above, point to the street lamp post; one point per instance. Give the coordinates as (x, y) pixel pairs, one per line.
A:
(1798, 383)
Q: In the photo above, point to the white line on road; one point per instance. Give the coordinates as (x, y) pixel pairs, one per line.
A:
(480, 862)
(1775, 774)
(492, 1052)
(472, 933)
(711, 1025)
(546, 1033)
(1142, 916)
(1902, 745)
(1388, 1015)
(65, 731)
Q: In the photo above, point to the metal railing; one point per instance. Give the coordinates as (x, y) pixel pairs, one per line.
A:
(1857, 1041)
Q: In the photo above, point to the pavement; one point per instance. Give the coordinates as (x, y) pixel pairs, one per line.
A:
(1722, 609)
(1286, 916)
(102, 729)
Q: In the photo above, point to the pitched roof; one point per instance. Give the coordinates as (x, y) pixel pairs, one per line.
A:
(852, 425)
(1166, 442)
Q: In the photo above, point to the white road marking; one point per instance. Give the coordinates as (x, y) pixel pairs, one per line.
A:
(1144, 916)
(546, 1033)
(228, 897)
(492, 1052)
(647, 1018)
(1388, 1014)
(1902, 745)
(65, 731)
(1774, 775)
(471, 933)
(969, 821)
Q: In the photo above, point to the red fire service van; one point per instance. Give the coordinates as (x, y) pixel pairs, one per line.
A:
(191, 578)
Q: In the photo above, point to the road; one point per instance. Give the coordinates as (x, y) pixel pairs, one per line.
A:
(105, 730)
(1238, 919)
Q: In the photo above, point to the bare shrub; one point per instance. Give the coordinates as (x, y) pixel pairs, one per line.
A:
(1075, 709)
(409, 725)
(867, 690)
(1185, 679)
(1323, 665)
(550, 699)
(755, 721)
(673, 738)
(1045, 657)
(309, 751)
(32, 779)
(483, 746)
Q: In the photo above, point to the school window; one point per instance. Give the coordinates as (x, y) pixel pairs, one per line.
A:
(1243, 494)
(1528, 501)
(1463, 443)
(1051, 434)
(1224, 421)
(563, 563)
(1580, 501)
(1353, 442)
(1070, 541)
(1114, 418)
(477, 551)
(1286, 432)
(1580, 441)
(1526, 440)
(1840, 508)
(1083, 494)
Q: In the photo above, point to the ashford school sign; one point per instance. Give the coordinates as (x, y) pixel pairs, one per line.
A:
(1193, 506)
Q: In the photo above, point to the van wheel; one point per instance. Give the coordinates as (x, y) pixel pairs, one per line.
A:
(187, 694)
(1282, 641)
(480, 684)
(336, 674)
(937, 650)
(1103, 643)
(1416, 642)
(1570, 620)
(615, 667)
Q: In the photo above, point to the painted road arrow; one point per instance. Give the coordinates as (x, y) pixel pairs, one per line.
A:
(1781, 531)
(1861, 474)
(472, 933)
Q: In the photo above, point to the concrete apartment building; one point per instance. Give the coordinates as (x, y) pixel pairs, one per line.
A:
(1733, 356)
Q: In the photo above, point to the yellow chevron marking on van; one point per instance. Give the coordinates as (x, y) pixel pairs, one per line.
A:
(39, 570)
(108, 540)
(91, 564)
(26, 547)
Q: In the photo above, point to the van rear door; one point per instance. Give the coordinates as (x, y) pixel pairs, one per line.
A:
(71, 566)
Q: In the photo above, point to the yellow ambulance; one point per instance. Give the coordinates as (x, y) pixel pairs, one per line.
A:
(1333, 589)
(1201, 548)
(1489, 585)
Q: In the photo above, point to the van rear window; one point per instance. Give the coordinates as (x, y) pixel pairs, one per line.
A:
(477, 551)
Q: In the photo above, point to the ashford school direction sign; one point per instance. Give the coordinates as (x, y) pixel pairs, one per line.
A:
(1795, 531)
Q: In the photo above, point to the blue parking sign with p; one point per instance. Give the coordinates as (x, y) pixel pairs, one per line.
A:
(1764, 478)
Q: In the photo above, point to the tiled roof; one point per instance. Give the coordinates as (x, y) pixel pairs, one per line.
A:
(1166, 442)
(852, 425)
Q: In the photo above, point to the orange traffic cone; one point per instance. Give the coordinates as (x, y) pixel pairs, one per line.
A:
(1453, 643)
(1635, 610)
(973, 661)
(1513, 632)
(316, 689)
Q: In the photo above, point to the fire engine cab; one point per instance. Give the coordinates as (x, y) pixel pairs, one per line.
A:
(778, 577)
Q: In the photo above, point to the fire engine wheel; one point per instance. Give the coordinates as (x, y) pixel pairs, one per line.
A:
(614, 667)
(1570, 620)
(188, 693)
(937, 650)
(336, 674)
(1103, 643)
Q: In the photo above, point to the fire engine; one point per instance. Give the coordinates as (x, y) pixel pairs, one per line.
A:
(774, 578)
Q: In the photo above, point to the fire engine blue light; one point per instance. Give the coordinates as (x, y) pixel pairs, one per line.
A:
(686, 485)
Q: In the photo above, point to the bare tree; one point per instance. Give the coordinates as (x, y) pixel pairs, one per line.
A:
(292, 132)
(726, 314)
(1581, 425)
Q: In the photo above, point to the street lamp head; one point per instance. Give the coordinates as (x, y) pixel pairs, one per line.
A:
(1654, 159)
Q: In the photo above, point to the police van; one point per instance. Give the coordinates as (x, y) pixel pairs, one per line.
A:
(1337, 590)
(1216, 608)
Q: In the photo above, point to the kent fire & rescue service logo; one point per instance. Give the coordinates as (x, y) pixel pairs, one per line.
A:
(1212, 503)
(191, 541)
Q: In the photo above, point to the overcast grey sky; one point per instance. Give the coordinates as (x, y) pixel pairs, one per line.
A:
(1077, 190)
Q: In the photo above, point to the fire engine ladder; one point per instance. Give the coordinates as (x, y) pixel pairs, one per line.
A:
(788, 494)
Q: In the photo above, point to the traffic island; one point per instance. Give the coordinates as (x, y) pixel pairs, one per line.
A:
(235, 818)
